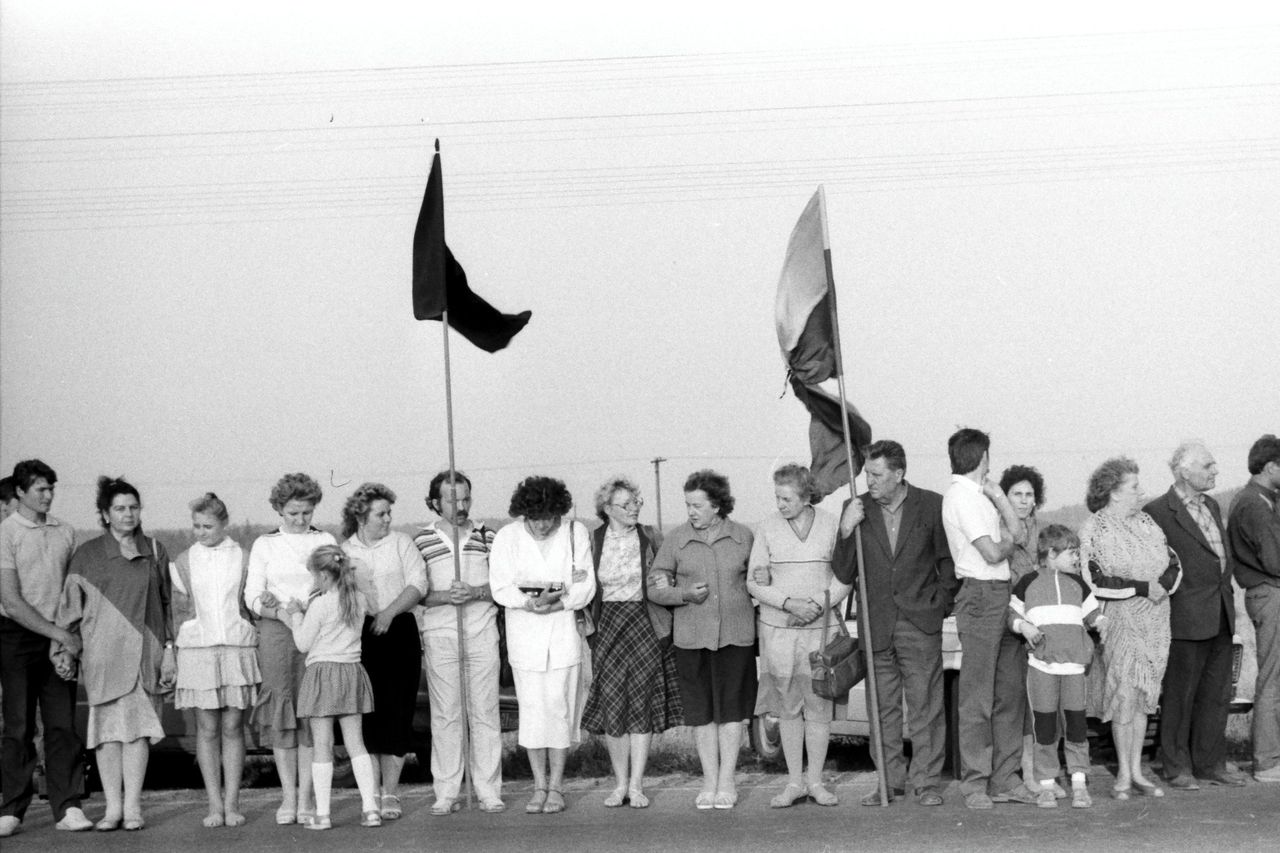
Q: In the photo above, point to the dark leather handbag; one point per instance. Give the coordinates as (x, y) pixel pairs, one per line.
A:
(839, 664)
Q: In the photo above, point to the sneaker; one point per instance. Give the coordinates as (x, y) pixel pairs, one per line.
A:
(9, 824)
(1271, 774)
(1046, 800)
(1080, 798)
(978, 800)
(73, 820)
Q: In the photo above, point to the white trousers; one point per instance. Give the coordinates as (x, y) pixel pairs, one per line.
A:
(444, 687)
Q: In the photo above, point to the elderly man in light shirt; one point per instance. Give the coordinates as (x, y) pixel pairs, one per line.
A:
(992, 698)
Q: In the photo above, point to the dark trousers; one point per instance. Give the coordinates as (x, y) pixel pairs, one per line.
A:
(1194, 706)
(912, 665)
(993, 694)
(27, 677)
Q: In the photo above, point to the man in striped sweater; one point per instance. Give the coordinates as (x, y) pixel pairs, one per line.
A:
(1051, 608)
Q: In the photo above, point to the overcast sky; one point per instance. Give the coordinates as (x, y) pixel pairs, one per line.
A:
(1060, 228)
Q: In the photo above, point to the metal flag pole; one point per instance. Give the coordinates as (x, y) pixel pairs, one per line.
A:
(657, 486)
(864, 623)
(457, 542)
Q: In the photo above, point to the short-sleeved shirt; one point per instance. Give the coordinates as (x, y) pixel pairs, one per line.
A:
(39, 553)
(968, 515)
(437, 551)
(386, 567)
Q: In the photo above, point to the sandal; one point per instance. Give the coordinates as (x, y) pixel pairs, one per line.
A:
(790, 795)
(638, 799)
(321, 821)
(390, 807)
(726, 800)
(705, 800)
(286, 815)
(555, 802)
(133, 824)
(371, 818)
(537, 802)
(615, 799)
(305, 817)
(1120, 793)
(107, 824)
(820, 795)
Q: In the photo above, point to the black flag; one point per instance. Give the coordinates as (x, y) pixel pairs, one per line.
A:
(440, 281)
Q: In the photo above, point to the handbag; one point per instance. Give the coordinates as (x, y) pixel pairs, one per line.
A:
(582, 617)
(839, 664)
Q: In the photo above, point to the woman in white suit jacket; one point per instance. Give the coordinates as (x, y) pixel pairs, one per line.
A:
(540, 571)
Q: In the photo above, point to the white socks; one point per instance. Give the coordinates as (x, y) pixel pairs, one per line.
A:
(1078, 780)
(362, 767)
(322, 782)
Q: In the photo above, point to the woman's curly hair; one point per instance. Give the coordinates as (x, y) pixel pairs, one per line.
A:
(295, 487)
(540, 497)
(356, 510)
(715, 486)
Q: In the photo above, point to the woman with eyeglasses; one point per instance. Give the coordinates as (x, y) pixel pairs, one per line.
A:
(634, 692)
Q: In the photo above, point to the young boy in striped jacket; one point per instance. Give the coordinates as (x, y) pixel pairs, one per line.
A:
(1052, 608)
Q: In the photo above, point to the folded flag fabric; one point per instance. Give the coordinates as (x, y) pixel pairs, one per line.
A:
(804, 319)
(439, 280)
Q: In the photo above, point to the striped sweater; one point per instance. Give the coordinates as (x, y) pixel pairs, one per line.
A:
(1060, 605)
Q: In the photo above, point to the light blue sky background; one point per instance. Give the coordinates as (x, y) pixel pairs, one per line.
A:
(1060, 228)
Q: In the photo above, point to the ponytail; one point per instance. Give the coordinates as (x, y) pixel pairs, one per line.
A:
(333, 561)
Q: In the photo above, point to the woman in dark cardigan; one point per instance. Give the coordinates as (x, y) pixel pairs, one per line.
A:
(634, 692)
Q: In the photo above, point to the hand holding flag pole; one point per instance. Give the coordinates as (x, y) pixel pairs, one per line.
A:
(809, 334)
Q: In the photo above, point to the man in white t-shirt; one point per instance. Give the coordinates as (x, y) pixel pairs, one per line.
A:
(992, 697)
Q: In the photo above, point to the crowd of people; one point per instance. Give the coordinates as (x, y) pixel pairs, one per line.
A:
(705, 626)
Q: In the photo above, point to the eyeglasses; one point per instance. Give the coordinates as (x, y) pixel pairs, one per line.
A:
(633, 504)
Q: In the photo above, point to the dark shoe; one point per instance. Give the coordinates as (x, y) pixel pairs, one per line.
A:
(928, 797)
(1019, 794)
(1225, 776)
(1184, 782)
(873, 799)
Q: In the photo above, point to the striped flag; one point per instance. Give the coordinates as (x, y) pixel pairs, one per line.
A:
(805, 320)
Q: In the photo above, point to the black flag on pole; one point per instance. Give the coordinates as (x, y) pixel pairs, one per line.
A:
(439, 281)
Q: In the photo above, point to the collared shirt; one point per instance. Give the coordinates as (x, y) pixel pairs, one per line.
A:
(1254, 531)
(726, 618)
(968, 515)
(893, 517)
(1194, 502)
(39, 554)
(436, 546)
(386, 568)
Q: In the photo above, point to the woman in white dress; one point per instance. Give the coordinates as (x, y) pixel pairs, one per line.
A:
(540, 570)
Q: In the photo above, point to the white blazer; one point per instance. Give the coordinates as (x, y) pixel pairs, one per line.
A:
(550, 641)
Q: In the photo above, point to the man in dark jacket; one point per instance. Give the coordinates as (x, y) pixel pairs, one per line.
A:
(911, 583)
(1197, 681)
(1254, 535)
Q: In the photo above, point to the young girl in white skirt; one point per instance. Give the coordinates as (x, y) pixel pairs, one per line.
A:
(335, 685)
(218, 672)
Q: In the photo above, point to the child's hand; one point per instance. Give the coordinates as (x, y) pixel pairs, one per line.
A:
(268, 600)
(1031, 633)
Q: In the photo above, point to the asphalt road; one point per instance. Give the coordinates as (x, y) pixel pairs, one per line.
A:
(1210, 820)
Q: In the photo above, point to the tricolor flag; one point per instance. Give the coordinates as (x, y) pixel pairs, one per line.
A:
(439, 281)
(804, 315)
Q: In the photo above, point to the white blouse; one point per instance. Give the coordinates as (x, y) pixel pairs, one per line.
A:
(386, 567)
(278, 565)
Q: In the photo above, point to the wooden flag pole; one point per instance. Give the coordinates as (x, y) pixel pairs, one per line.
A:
(457, 544)
(864, 623)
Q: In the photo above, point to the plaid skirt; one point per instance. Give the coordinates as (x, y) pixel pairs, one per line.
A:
(634, 690)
